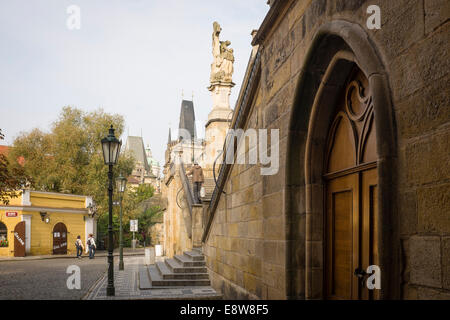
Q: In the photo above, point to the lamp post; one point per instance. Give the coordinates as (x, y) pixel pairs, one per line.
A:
(121, 184)
(111, 148)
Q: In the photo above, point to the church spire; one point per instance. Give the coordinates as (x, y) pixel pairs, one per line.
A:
(170, 136)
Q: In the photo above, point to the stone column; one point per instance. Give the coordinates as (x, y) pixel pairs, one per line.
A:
(218, 121)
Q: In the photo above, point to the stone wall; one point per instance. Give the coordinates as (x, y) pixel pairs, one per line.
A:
(176, 238)
(258, 229)
(156, 233)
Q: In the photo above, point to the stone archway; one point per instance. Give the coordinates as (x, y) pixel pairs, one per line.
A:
(337, 48)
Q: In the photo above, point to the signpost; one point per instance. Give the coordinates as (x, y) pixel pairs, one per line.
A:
(134, 228)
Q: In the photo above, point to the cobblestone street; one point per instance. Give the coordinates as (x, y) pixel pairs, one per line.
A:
(127, 286)
(46, 279)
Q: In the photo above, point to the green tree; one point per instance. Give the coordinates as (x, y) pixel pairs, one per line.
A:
(12, 177)
(136, 204)
(69, 159)
(142, 192)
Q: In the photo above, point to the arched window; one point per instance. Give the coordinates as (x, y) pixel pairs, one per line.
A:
(3, 235)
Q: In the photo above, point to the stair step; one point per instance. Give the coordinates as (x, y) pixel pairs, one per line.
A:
(158, 281)
(194, 255)
(198, 249)
(166, 273)
(177, 267)
(188, 262)
(144, 279)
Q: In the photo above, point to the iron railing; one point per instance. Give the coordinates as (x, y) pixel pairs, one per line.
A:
(186, 186)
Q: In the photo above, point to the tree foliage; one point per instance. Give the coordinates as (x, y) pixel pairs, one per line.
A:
(135, 205)
(12, 177)
(68, 159)
(142, 192)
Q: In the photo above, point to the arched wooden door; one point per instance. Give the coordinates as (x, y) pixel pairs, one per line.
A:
(60, 238)
(19, 239)
(351, 193)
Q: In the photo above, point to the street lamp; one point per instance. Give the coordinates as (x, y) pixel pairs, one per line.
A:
(121, 184)
(111, 148)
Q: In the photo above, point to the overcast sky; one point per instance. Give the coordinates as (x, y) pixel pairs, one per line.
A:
(132, 57)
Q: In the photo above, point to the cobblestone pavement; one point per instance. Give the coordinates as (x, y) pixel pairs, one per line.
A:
(126, 284)
(46, 279)
(98, 253)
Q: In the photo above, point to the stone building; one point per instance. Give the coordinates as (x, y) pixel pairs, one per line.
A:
(176, 188)
(146, 170)
(187, 144)
(364, 168)
(155, 168)
(43, 223)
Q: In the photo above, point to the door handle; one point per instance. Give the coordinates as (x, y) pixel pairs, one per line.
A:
(360, 273)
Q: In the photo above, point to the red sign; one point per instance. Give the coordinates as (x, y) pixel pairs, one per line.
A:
(11, 214)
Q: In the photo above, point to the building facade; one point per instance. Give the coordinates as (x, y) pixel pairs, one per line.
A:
(363, 179)
(146, 169)
(180, 154)
(43, 223)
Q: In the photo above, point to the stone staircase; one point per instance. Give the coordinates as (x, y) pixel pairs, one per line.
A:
(184, 270)
(209, 186)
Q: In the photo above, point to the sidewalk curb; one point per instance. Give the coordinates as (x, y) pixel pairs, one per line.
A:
(31, 258)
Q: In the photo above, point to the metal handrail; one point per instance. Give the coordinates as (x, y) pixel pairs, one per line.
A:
(186, 186)
(214, 171)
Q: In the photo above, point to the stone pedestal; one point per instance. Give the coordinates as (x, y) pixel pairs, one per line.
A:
(218, 121)
(158, 250)
(149, 256)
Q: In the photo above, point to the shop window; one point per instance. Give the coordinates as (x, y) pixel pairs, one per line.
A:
(3, 235)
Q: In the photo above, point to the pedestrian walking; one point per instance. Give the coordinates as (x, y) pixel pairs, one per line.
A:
(197, 180)
(91, 245)
(144, 237)
(79, 246)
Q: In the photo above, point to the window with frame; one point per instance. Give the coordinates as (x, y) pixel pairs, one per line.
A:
(3, 235)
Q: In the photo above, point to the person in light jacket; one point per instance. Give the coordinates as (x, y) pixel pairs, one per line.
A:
(91, 245)
(197, 180)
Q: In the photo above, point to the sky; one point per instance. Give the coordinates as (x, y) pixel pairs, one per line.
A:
(130, 57)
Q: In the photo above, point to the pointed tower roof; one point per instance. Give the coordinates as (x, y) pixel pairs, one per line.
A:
(187, 118)
(136, 146)
(170, 137)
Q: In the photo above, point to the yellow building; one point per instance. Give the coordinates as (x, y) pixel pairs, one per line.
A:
(42, 223)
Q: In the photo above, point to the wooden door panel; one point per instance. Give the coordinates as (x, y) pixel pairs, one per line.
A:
(340, 239)
(369, 231)
(60, 239)
(342, 244)
(351, 192)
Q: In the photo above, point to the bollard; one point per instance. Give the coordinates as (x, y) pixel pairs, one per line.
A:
(158, 250)
(152, 255)
(147, 256)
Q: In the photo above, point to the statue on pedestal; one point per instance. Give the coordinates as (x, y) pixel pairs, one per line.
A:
(222, 66)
